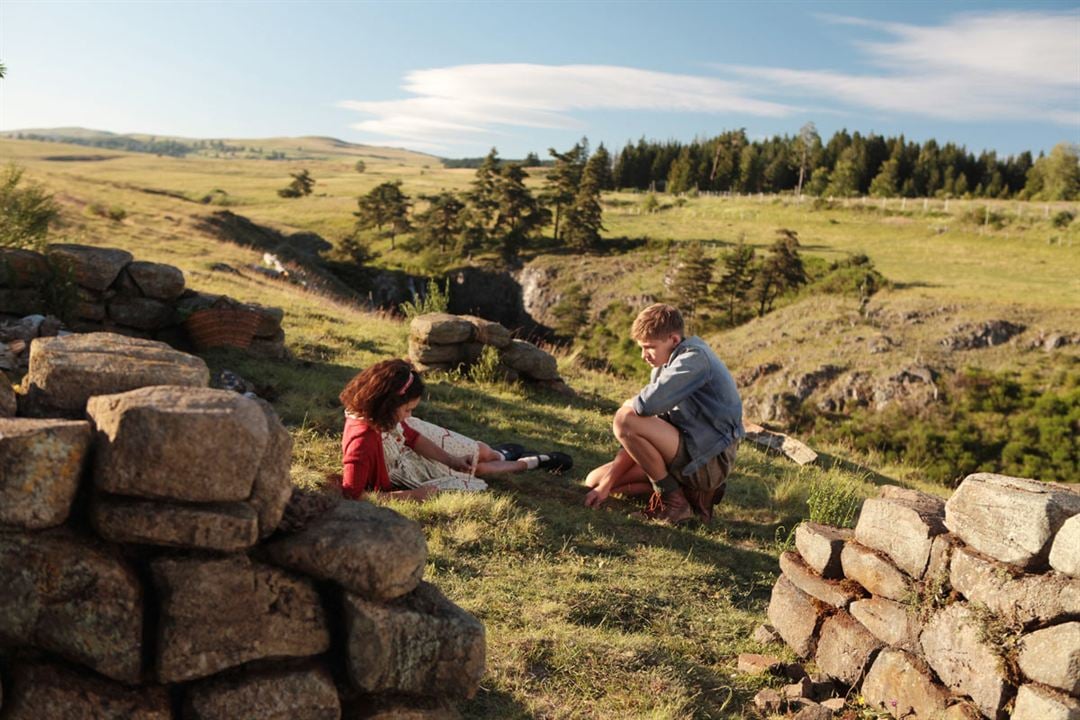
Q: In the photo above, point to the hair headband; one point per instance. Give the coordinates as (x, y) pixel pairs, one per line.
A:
(407, 384)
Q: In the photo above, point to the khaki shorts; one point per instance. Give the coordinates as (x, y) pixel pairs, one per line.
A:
(710, 476)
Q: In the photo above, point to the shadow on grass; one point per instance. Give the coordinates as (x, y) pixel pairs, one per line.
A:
(828, 462)
(494, 704)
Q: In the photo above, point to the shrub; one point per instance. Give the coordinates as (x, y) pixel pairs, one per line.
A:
(434, 300)
(25, 212)
(486, 369)
(1063, 218)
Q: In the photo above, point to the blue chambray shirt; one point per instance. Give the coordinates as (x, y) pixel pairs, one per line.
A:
(695, 392)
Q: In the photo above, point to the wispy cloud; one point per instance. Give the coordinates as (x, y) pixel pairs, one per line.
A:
(458, 103)
(975, 67)
(998, 66)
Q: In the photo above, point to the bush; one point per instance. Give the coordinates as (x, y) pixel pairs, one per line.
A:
(114, 212)
(1063, 219)
(434, 300)
(486, 369)
(25, 212)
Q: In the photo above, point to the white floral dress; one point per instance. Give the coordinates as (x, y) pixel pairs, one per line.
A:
(408, 469)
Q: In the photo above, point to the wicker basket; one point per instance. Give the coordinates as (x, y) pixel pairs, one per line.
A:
(222, 327)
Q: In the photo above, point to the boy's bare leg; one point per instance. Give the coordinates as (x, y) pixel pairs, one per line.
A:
(650, 441)
(622, 475)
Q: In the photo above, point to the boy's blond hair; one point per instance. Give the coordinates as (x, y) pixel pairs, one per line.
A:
(657, 321)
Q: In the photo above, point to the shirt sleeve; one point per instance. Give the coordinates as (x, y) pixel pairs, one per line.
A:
(411, 435)
(673, 384)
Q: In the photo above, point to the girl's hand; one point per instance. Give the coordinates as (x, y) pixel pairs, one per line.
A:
(461, 464)
(596, 497)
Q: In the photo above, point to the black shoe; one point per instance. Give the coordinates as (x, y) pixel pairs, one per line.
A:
(556, 462)
(509, 451)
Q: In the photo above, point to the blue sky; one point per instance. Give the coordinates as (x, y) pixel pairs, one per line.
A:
(455, 79)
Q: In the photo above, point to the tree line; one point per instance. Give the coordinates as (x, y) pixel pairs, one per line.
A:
(849, 164)
(498, 212)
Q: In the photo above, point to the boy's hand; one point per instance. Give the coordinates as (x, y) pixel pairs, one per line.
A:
(596, 497)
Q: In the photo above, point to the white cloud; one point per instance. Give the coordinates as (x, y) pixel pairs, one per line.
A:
(975, 67)
(454, 103)
(998, 66)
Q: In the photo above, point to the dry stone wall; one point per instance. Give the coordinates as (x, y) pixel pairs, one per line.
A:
(935, 609)
(439, 341)
(156, 563)
(106, 289)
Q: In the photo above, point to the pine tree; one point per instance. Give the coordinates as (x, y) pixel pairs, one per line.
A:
(301, 185)
(738, 277)
(844, 179)
(519, 214)
(808, 147)
(782, 270)
(603, 169)
(887, 182)
(482, 202)
(562, 182)
(584, 218)
(680, 176)
(441, 224)
(384, 205)
(690, 285)
(1055, 176)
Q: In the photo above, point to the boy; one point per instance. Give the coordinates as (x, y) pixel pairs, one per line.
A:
(680, 433)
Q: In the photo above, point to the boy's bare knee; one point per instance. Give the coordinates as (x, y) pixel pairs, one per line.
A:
(624, 418)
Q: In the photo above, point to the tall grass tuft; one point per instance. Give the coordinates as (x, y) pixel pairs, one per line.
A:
(833, 501)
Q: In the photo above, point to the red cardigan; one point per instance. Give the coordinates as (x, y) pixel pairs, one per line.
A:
(362, 458)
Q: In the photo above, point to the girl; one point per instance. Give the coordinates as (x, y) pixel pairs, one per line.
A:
(385, 450)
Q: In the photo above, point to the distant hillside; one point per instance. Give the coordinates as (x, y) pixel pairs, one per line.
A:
(285, 148)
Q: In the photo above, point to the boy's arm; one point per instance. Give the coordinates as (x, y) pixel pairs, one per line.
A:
(686, 373)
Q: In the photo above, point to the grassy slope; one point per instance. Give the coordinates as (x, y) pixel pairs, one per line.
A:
(589, 614)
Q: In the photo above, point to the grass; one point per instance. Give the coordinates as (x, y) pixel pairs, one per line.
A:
(589, 614)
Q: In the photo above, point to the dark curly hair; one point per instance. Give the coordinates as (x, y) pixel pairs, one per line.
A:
(377, 392)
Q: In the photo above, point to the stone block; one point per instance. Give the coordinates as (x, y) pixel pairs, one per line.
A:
(941, 552)
(530, 361)
(952, 644)
(1051, 656)
(369, 550)
(273, 486)
(157, 280)
(1013, 520)
(65, 371)
(962, 711)
(845, 648)
(813, 711)
(305, 694)
(22, 268)
(225, 527)
(69, 596)
(9, 402)
(441, 329)
(427, 354)
(178, 443)
(804, 578)
(217, 614)
(902, 524)
(401, 708)
(1065, 551)
(41, 462)
(755, 664)
(891, 622)
(820, 546)
(795, 615)
(902, 684)
(92, 267)
(269, 320)
(874, 572)
(419, 644)
(1023, 597)
(21, 301)
(1034, 702)
(41, 691)
(768, 701)
(140, 313)
(489, 332)
(766, 635)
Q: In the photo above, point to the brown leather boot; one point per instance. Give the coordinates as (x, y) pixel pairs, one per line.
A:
(670, 507)
(703, 501)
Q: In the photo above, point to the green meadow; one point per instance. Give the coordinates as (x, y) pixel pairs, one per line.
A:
(589, 614)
